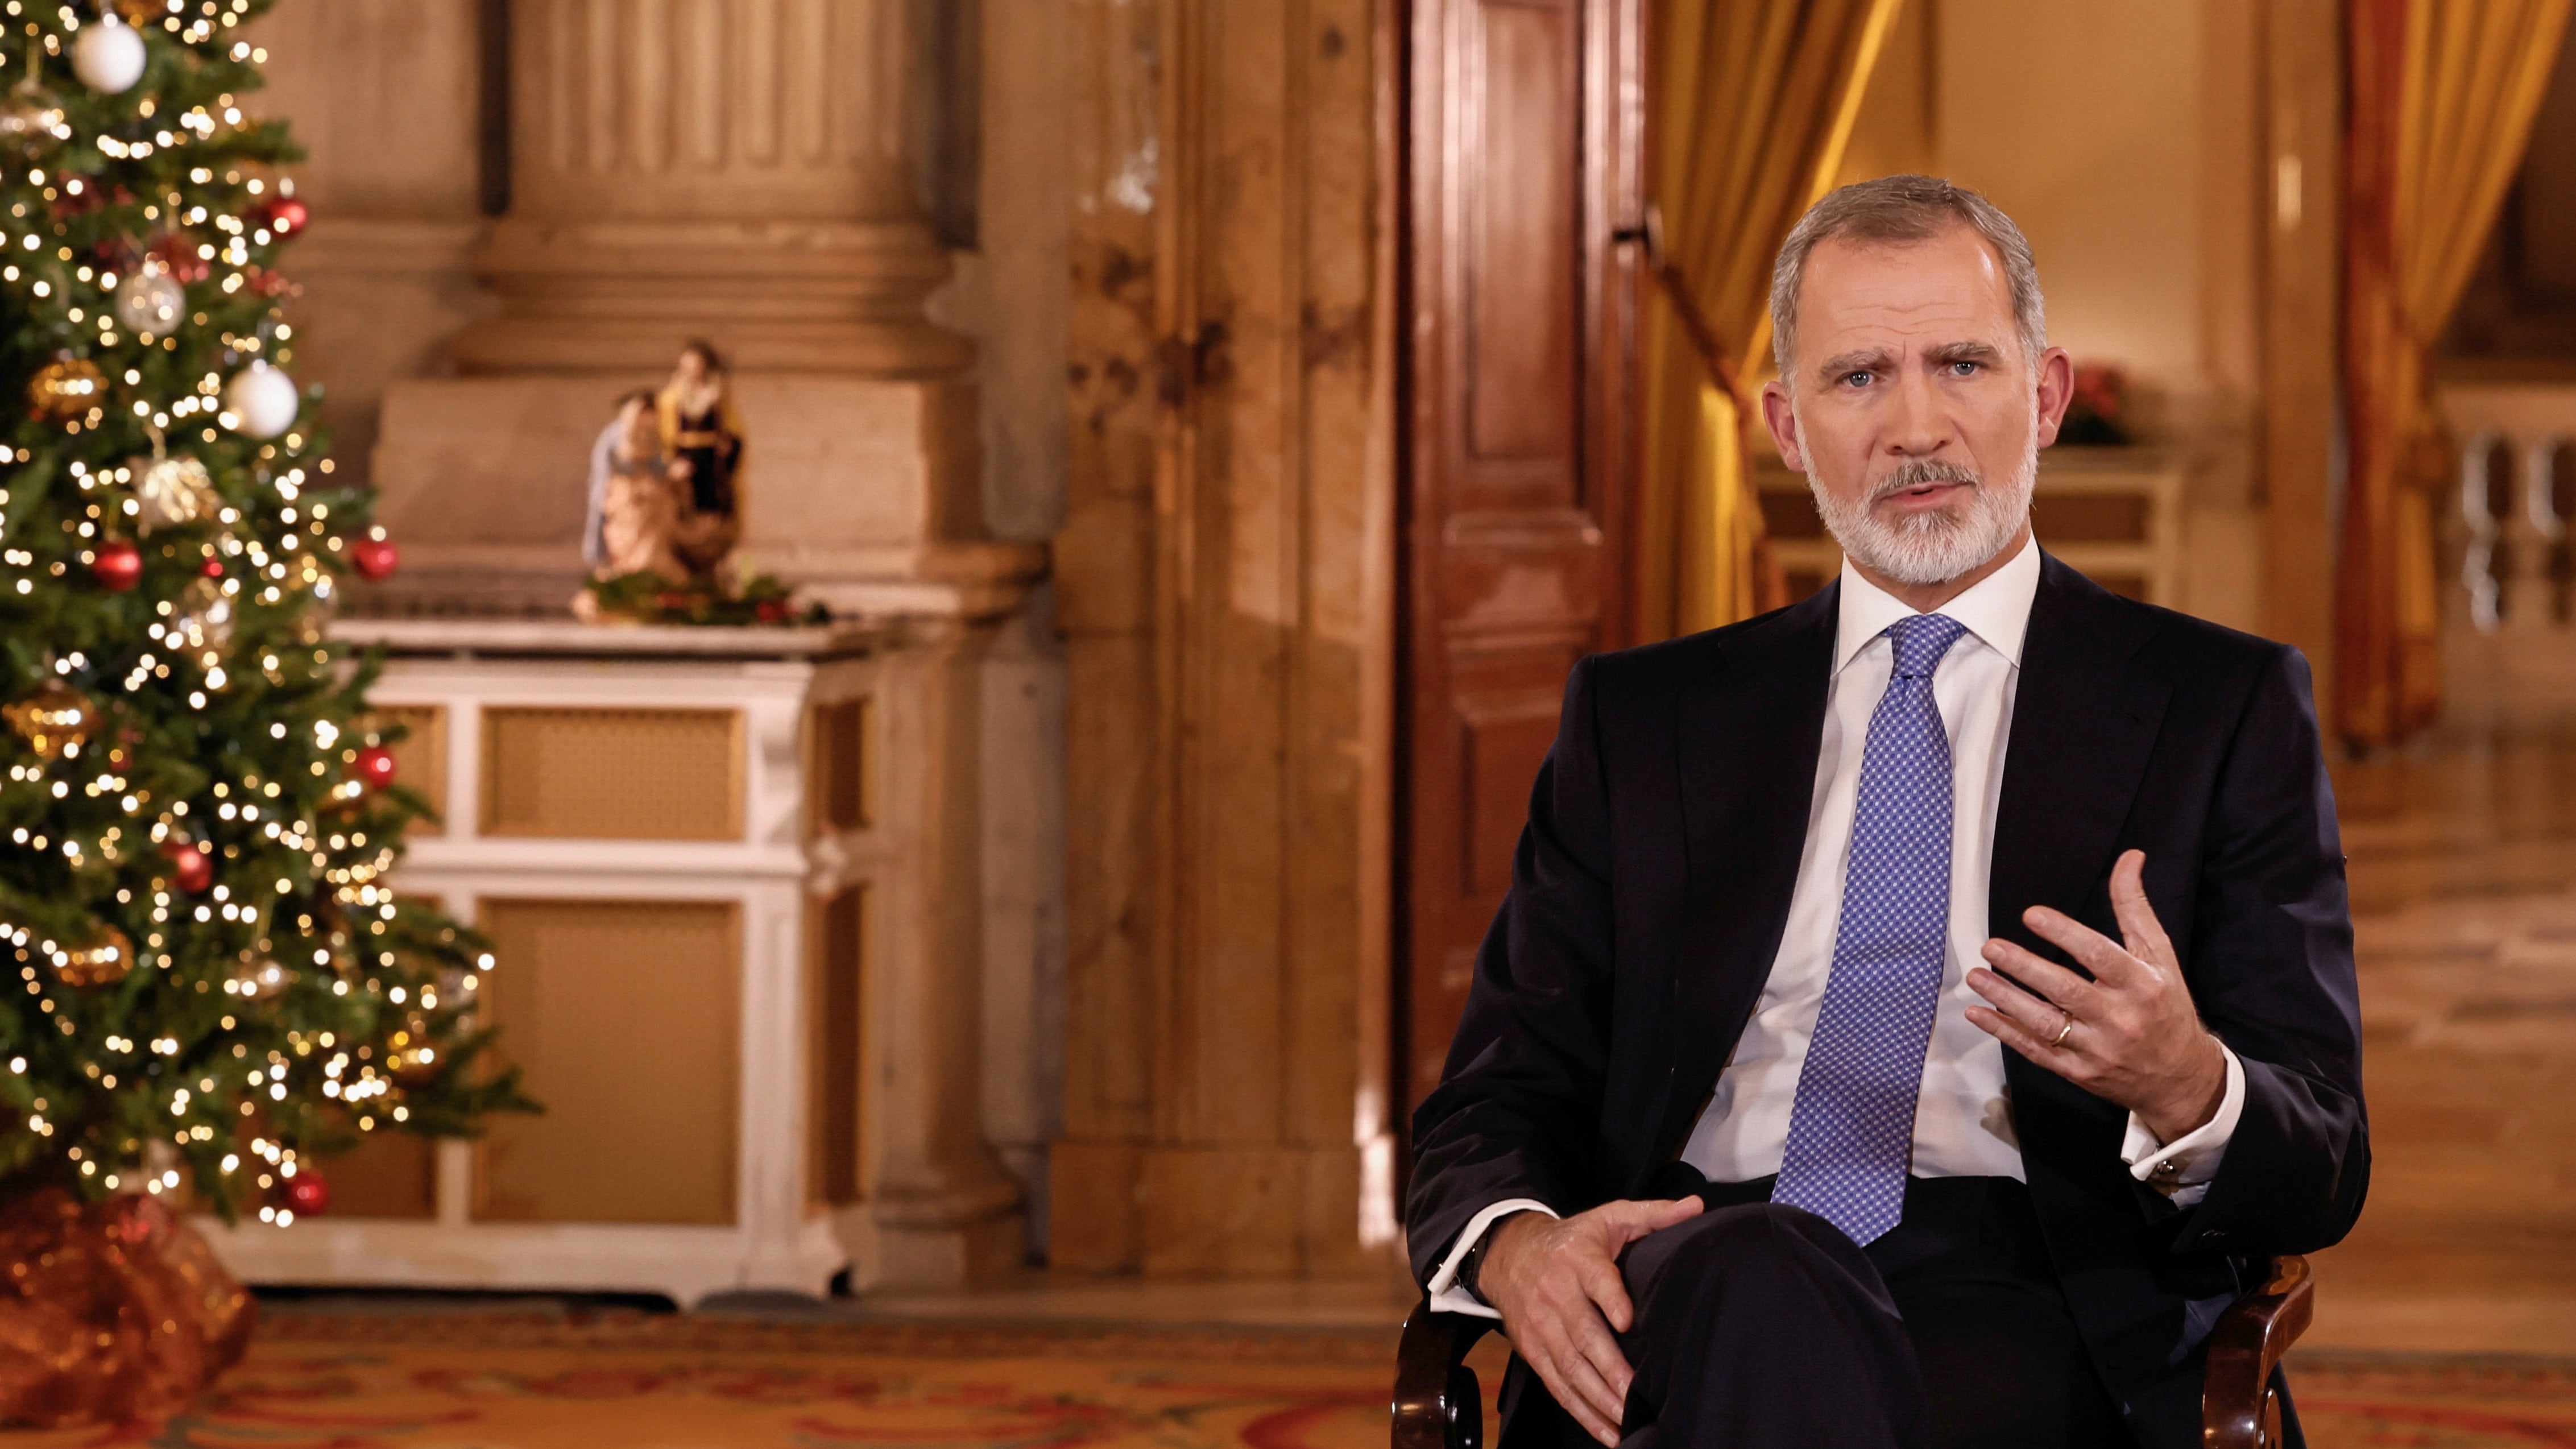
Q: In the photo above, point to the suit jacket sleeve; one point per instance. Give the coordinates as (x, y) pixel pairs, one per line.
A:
(1519, 1102)
(2271, 967)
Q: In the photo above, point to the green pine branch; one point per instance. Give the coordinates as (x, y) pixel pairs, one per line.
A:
(292, 1004)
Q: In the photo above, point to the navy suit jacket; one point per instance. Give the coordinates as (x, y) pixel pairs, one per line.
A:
(1653, 880)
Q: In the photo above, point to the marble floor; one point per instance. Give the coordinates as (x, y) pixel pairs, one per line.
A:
(2463, 868)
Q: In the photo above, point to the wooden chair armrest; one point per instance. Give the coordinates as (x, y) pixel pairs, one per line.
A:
(1436, 1405)
(2238, 1409)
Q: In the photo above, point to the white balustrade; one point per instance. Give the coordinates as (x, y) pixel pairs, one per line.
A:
(2509, 639)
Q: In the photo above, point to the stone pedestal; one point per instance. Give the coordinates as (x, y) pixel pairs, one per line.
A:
(862, 490)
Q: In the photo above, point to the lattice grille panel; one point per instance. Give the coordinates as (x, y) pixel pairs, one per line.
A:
(836, 970)
(838, 764)
(625, 1016)
(420, 758)
(613, 774)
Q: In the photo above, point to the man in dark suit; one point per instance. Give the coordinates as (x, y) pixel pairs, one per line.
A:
(1916, 1011)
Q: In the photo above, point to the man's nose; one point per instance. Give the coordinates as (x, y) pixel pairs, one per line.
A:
(1921, 428)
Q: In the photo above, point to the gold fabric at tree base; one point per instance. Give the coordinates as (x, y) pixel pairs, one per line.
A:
(110, 1312)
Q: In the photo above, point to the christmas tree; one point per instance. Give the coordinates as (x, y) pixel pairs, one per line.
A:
(215, 983)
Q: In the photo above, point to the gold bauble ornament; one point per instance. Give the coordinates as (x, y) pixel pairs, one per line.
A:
(171, 491)
(29, 113)
(257, 976)
(103, 962)
(205, 619)
(411, 1059)
(65, 389)
(53, 719)
(140, 13)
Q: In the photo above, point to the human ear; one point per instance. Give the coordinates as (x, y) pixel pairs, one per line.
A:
(2056, 391)
(1782, 420)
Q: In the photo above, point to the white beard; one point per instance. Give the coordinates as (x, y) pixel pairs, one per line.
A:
(1936, 547)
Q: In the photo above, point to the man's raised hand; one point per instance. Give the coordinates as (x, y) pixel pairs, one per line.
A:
(1556, 1283)
(2131, 1034)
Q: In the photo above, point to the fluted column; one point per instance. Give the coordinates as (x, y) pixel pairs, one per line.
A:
(729, 167)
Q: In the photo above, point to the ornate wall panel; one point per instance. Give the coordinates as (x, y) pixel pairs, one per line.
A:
(1223, 591)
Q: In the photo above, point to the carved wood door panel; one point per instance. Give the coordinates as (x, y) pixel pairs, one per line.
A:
(1518, 374)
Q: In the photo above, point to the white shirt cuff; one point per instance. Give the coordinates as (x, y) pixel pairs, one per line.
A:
(1446, 1295)
(2182, 1169)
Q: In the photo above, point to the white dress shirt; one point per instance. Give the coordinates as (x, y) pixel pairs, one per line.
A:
(1962, 1120)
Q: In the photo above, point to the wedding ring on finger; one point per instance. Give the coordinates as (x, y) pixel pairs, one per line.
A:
(2059, 1040)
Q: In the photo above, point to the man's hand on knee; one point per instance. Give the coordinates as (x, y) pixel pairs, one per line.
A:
(1555, 1282)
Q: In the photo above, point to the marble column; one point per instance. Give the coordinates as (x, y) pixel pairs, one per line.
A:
(712, 166)
(726, 169)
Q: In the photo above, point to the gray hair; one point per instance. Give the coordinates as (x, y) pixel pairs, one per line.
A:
(1904, 209)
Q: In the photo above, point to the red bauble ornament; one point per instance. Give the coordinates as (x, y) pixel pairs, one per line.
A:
(192, 868)
(375, 765)
(307, 1192)
(286, 215)
(376, 558)
(117, 565)
(213, 567)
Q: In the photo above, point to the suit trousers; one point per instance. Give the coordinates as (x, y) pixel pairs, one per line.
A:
(1760, 1326)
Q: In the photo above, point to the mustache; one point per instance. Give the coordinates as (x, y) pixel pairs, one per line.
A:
(1923, 472)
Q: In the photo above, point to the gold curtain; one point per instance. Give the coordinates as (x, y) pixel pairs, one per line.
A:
(2443, 93)
(1753, 103)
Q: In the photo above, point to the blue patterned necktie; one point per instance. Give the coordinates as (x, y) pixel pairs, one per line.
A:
(1851, 1129)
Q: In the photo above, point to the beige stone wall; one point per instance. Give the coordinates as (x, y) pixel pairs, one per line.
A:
(2123, 136)
(383, 96)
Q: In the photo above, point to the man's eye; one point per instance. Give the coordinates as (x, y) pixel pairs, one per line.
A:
(1963, 368)
(1856, 379)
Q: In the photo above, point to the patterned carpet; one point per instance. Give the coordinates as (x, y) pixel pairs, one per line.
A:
(624, 1380)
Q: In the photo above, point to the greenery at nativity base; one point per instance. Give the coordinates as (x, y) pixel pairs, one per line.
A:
(648, 598)
(208, 982)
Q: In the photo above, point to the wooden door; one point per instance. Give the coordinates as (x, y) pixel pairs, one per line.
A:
(1518, 372)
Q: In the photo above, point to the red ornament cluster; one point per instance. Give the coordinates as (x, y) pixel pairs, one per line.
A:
(117, 565)
(177, 255)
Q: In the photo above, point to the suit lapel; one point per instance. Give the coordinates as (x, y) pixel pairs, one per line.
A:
(2085, 719)
(1747, 736)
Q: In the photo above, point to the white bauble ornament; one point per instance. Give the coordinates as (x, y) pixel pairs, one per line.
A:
(152, 301)
(262, 400)
(109, 56)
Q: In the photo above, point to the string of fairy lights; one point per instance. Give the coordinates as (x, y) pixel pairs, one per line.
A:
(216, 974)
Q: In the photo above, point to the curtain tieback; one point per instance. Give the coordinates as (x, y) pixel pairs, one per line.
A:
(1703, 339)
